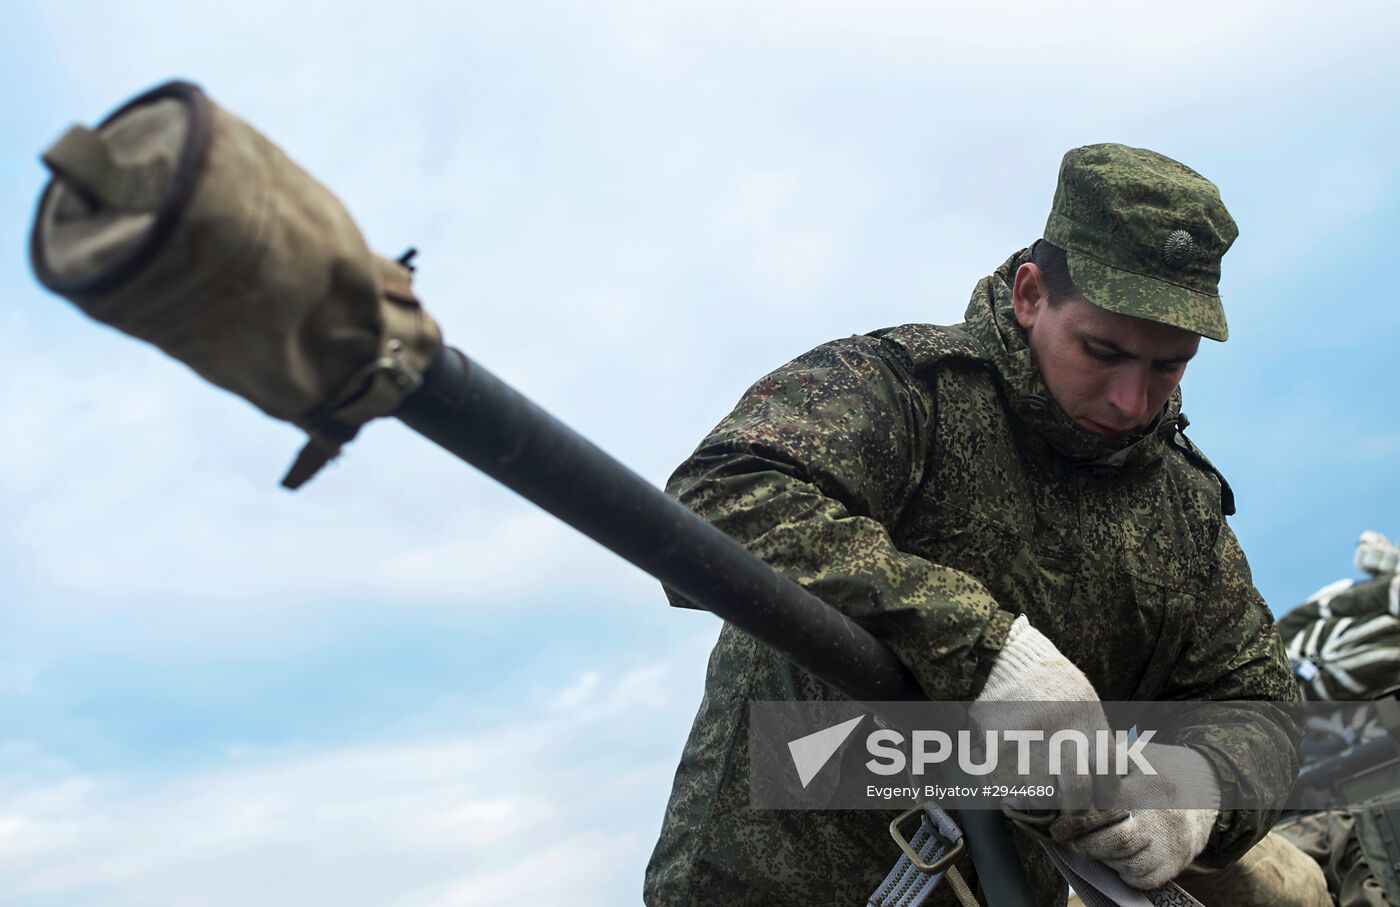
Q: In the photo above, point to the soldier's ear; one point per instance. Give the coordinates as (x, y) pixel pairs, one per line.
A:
(1028, 294)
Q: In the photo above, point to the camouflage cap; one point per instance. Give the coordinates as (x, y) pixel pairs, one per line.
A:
(1144, 236)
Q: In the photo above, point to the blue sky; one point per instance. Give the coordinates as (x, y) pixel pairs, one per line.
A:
(378, 690)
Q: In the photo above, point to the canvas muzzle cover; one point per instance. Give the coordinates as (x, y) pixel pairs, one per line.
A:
(176, 222)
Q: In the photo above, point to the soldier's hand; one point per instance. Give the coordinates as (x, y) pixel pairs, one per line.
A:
(1153, 844)
(1034, 688)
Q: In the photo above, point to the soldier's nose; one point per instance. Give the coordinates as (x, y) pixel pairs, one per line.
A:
(1127, 395)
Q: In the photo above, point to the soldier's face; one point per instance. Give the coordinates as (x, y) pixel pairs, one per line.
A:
(1111, 373)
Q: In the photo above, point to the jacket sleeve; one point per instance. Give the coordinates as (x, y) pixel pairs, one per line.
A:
(1250, 734)
(810, 470)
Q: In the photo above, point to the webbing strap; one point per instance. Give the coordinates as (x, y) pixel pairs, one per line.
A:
(409, 340)
(907, 885)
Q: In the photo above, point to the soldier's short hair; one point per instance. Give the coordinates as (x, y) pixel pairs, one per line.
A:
(1054, 269)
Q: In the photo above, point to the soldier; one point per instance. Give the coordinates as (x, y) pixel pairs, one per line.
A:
(1011, 505)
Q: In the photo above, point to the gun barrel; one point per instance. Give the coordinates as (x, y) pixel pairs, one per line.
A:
(478, 417)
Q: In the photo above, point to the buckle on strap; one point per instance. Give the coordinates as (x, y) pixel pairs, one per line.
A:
(953, 852)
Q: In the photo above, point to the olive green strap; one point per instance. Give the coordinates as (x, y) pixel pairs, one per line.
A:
(409, 340)
(960, 889)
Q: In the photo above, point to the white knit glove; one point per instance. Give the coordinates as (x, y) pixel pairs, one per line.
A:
(1152, 845)
(1031, 669)
(1033, 687)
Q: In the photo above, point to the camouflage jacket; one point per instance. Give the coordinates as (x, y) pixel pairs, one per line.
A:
(922, 480)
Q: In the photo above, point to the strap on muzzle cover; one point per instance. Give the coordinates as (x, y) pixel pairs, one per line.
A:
(176, 222)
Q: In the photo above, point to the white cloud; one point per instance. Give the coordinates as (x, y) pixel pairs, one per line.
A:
(17, 679)
(515, 557)
(579, 867)
(578, 692)
(559, 801)
(136, 487)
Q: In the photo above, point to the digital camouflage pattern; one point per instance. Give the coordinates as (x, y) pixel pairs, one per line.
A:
(1145, 235)
(922, 480)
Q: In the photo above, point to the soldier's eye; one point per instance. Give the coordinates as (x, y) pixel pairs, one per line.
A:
(1103, 355)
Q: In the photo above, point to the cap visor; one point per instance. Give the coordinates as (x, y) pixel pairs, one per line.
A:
(1144, 297)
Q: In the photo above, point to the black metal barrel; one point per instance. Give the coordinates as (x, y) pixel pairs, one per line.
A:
(473, 414)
